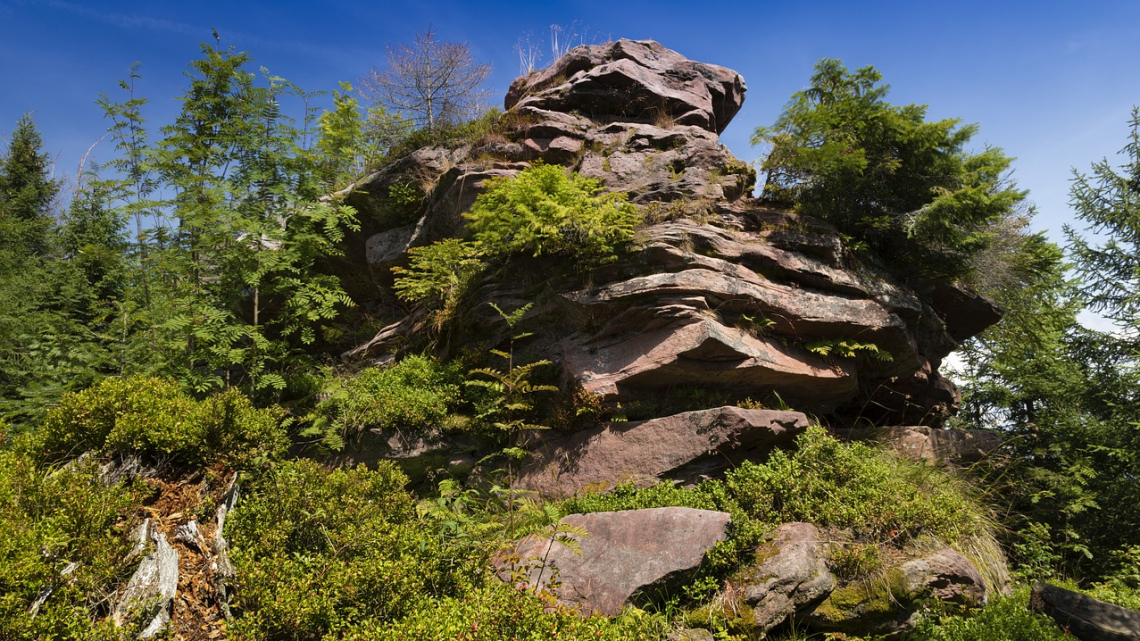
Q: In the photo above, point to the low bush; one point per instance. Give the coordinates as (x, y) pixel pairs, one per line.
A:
(498, 612)
(318, 551)
(448, 135)
(413, 396)
(66, 529)
(153, 417)
(1004, 618)
(880, 496)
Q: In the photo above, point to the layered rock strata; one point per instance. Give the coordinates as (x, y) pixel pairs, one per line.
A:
(717, 291)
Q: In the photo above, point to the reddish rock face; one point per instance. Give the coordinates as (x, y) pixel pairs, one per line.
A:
(682, 447)
(716, 292)
(637, 80)
(623, 554)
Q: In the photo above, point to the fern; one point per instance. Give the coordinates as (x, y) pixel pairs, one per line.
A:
(842, 348)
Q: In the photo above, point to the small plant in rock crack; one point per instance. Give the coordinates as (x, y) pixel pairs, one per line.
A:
(511, 399)
(847, 349)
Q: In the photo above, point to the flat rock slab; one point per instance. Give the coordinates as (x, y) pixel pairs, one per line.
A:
(624, 555)
(1086, 618)
(681, 447)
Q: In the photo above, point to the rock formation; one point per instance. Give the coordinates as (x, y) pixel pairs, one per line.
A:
(918, 442)
(718, 291)
(793, 579)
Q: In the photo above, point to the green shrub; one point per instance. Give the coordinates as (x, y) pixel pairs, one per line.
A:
(155, 418)
(49, 519)
(880, 496)
(545, 210)
(413, 395)
(446, 135)
(319, 550)
(1004, 618)
(1122, 586)
(438, 274)
(498, 612)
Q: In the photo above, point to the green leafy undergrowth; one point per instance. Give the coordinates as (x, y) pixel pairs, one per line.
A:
(881, 497)
(878, 495)
(64, 528)
(320, 550)
(545, 210)
(1004, 618)
(1122, 586)
(153, 417)
(498, 612)
(412, 396)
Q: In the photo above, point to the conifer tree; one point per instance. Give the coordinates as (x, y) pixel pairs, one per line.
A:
(893, 182)
(235, 243)
(1108, 201)
(27, 191)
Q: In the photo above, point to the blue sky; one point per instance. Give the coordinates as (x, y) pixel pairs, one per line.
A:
(1052, 83)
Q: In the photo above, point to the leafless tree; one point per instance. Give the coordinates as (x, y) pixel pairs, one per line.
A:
(434, 82)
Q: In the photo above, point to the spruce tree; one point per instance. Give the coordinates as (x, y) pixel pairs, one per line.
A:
(27, 191)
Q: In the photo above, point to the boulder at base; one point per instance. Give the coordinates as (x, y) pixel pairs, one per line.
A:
(682, 447)
(1084, 617)
(792, 579)
(628, 555)
(889, 605)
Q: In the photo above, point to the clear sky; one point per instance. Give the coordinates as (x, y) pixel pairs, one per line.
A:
(1050, 82)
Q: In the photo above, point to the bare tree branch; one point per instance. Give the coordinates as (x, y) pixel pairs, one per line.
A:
(434, 82)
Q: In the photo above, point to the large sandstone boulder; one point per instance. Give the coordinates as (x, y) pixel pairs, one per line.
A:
(683, 447)
(793, 577)
(920, 442)
(623, 556)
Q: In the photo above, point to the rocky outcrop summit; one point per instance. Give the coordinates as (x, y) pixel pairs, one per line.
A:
(719, 299)
(718, 291)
